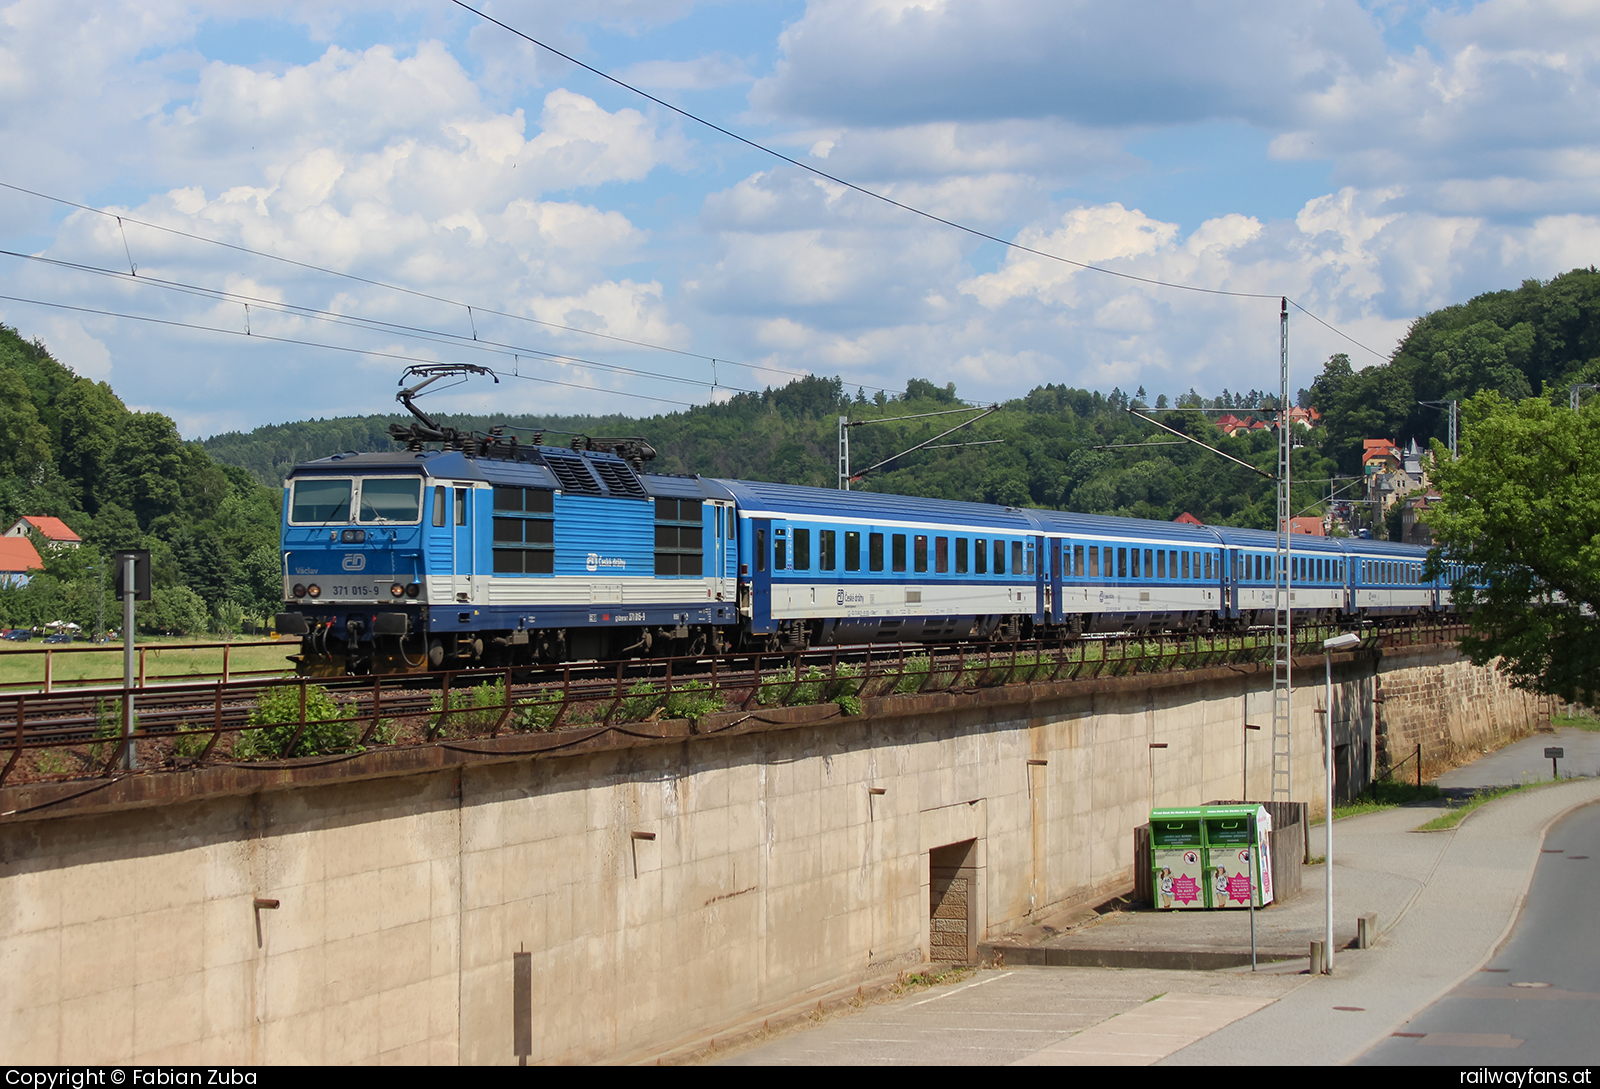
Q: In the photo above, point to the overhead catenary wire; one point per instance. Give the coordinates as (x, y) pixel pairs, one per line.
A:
(835, 179)
(437, 336)
(328, 347)
(123, 219)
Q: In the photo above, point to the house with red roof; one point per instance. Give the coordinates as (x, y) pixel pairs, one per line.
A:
(1379, 456)
(18, 560)
(1188, 519)
(53, 530)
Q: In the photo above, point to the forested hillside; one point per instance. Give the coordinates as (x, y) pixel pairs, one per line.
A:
(209, 511)
(71, 449)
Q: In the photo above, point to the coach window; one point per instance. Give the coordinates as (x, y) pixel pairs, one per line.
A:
(941, 555)
(1149, 568)
(875, 551)
(828, 539)
(1185, 565)
(439, 502)
(802, 550)
(461, 506)
(980, 556)
(852, 551)
(1094, 561)
(780, 551)
(1016, 558)
(1077, 560)
(898, 550)
(1161, 565)
(961, 555)
(1122, 563)
(761, 550)
(919, 553)
(999, 557)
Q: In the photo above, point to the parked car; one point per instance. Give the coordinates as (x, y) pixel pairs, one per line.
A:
(58, 637)
(19, 635)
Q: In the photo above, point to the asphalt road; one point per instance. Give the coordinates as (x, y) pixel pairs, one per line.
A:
(1537, 1002)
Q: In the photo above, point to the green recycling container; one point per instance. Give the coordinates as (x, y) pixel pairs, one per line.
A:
(1237, 866)
(1177, 856)
(1211, 856)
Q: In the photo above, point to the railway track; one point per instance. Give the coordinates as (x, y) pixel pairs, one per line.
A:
(187, 723)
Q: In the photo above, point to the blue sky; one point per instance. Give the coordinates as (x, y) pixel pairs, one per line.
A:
(1371, 161)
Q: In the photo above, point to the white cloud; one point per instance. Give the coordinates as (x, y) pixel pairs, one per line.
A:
(878, 63)
(702, 73)
(71, 344)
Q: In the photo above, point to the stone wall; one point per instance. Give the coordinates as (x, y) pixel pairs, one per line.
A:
(1451, 709)
(664, 881)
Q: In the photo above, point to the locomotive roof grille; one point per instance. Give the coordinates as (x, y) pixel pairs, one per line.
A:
(619, 478)
(572, 471)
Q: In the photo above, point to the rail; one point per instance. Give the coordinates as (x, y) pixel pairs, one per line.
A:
(75, 734)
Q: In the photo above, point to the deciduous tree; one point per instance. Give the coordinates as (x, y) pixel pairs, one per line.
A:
(1521, 512)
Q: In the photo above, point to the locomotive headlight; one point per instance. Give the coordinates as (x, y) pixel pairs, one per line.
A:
(395, 589)
(298, 590)
(414, 589)
(314, 590)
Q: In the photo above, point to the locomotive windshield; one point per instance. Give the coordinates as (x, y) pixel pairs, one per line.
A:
(391, 499)
(386, 499)
(317, 500)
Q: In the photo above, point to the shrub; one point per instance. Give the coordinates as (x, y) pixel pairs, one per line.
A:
(108, 728)
(693, 699)
(916, 675)
(809, 687)
(536, 712)
(277, 718)
(643, 698)
(189, 744)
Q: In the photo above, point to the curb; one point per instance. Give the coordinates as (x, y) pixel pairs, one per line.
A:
(1185, 960)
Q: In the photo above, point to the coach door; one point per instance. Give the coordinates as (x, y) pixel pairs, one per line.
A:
(721, 525)
(1052, 594)
(461, 538)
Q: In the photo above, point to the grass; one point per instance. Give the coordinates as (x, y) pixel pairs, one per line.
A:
(73, 663)
(1386, 795)
(1459, 813)
(1580, 722)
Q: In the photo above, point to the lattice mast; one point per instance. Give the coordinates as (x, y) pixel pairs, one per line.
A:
(1282, 616)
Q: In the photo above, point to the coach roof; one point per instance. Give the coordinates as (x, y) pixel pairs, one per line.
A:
(787, 500)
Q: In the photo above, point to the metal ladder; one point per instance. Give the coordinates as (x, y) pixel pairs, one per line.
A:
(1282, 613)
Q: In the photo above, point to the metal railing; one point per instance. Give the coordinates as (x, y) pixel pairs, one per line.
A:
(52, 682)
(76, 734)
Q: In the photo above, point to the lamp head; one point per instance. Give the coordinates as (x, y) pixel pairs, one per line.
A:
(1342, 642)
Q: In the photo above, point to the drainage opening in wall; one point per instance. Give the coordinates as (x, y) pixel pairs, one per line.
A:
(952, 898)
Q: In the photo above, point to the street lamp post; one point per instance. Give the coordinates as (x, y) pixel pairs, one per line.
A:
(1338, 642)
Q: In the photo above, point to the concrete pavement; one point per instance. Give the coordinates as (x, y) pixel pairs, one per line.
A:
(1445, 901)
(1466, 902)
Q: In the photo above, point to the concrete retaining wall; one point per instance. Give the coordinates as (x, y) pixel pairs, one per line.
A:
(665, 885)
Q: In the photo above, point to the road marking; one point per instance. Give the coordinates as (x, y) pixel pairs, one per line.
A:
(963, 987)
